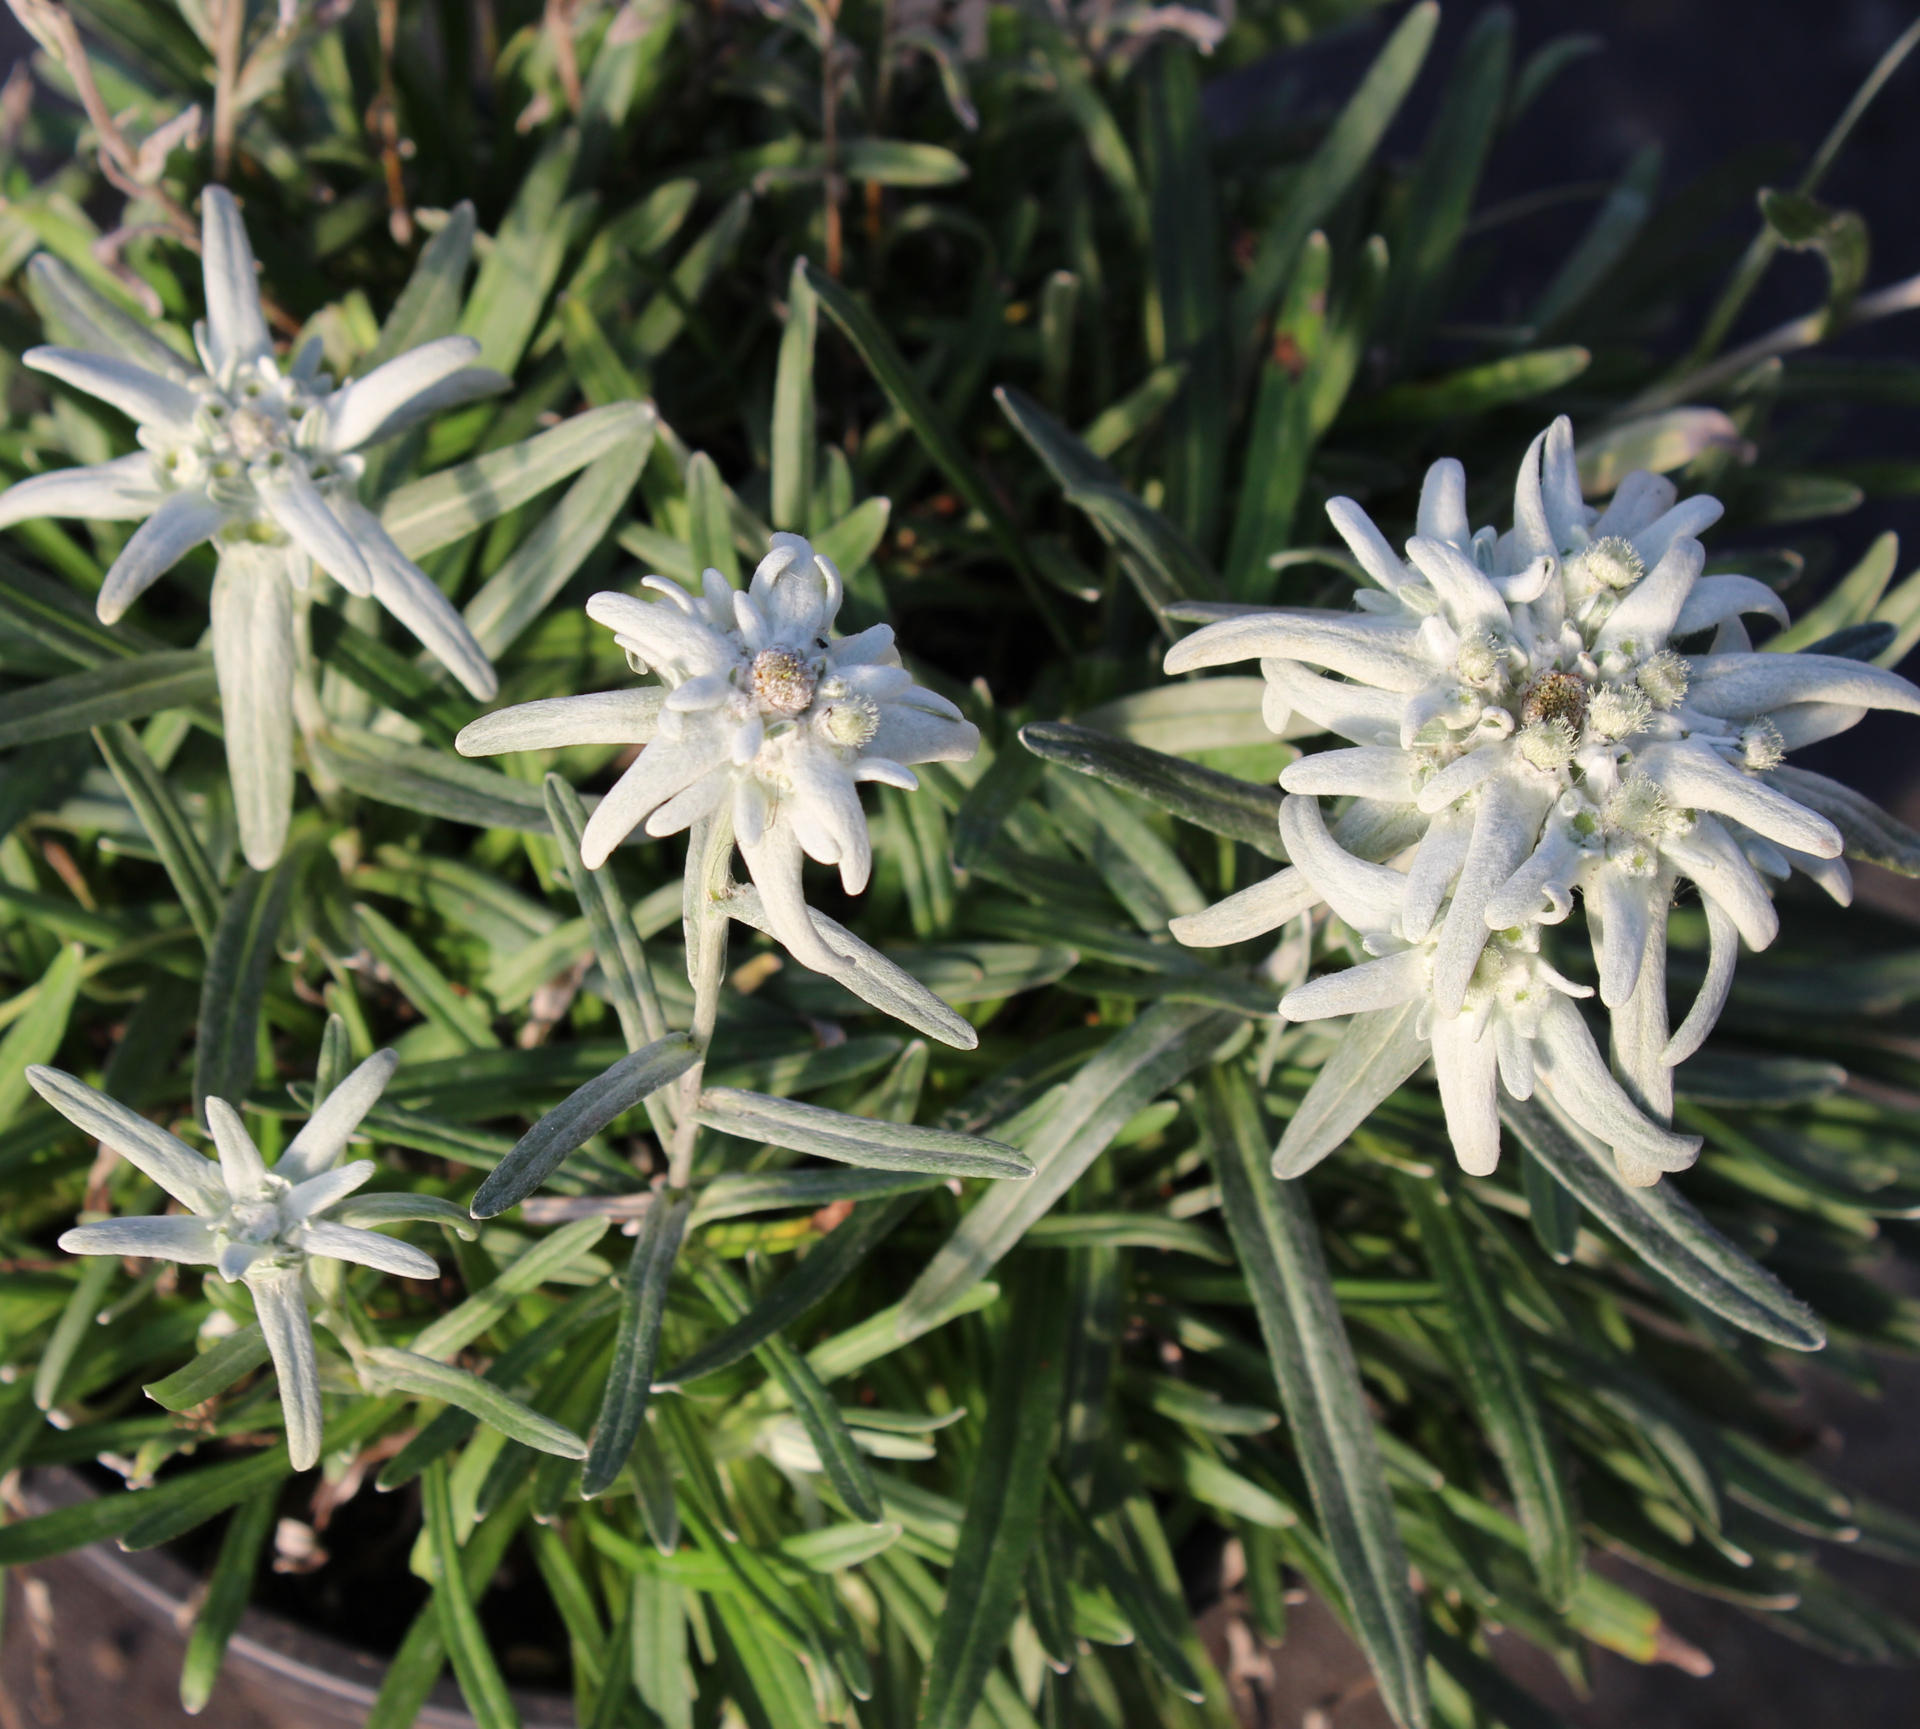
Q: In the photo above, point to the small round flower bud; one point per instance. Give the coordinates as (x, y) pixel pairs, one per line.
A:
(1618, 711)
(1639, 807)
(782, 681)
(1613, 563)
(1761, 746)
(851, 721)
(1664, 679)
(1547, 744)
(1478, 661)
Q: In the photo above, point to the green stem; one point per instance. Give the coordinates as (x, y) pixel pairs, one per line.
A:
(709, 885)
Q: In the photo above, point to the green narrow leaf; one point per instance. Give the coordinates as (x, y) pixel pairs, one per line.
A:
(856, 1140)
(643, 1304)
(1004, 1501)
(1552, 1211)
(431, 513)
(1615, 227)
(1059, 303)
(51, 614)
(173, 837)
(1475, 389)
(432, 782)
(1851, 601)
(97, 1273)
(388, 676)
(1239, 809)
(1869, 832)
(481, 1684)
(542, 565)
(429, 305)
(709, 521)
(423, 984)
(818, 1274)
(1106, 143)
(244, 945)
(1379, 1050)
(659, 1651)
(1117, 425)
(1501, 1388)
(845, 1466)
(1159, 1049)
(1274, 1230)
(581, 1116)
(37, 1035)
(228, 1591)
(528, 249)
(870, 339)
(1333, 168)
(601, 369)
(665, 315)
(213, 1371)
(465, 1322)
(795, 438)
(116, 690)
(851, 542)
(407, 1372)
(1662, 1227)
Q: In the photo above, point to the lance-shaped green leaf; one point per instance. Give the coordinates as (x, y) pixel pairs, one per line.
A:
(825, 1266)
(842, 1460)
(388, 676)
(643, 1305)
(870, 975)
(37, 1035)
(1869, 832)
(433, 782)
(408, 1372)
(528, 250)
(905, 391)
(833, 1548)
(1159, 1049)
(581, 1116)
(71, 1330)
(235, 986)
(1279, 1243)
(1475, 389)
(1003, 1502)
(160, 814)
(466, 1321)
(464, 1018)
(795, 436)
(481, 1684)
(429, 305)
(1608, 239)
(228, 1591)
(856, 1140)
(400, 1207)
(738, 1193)
(1665, 1229)
(116, 690)
(450, 505)
(659, 325)
(1380, 1049)
(1501, 1388)
(1238, 809)
(1552, 1210)
(1333, 168)
(213, 1371)
(1128, 1231)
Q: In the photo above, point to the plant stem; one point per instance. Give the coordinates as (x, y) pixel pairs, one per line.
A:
(704, 917)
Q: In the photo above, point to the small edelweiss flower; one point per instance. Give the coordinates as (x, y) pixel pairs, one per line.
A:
(266, 465)
(1516, 1025)
(765, 716)
(1520, 721)
(249, 1223)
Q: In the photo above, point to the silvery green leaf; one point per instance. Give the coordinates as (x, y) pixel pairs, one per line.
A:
(882, 1333)
(445, 507)
(370, 1212)
(1160, 1048)
(833, 1548)
(739, 1193)
(160, 813)
(1665, 1230)
(1379, 1050)
(796, 436)
(856, 1140)
(1869, 832)
(580, 1117)
(279, 1299)
(429, 305)
(1203, 714)
(465, 1322)
(119, 690)
(643, 1306)
(870, 975)
(430, 781)
(1128, 1231)
(252, 610)
(404, 1371)
(170, 1162)
(213, 1371)
(1236, 808)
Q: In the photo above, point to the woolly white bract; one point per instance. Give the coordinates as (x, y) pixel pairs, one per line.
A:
(1520, 729)
(765, 718)
(265, 464)
(249, 1223)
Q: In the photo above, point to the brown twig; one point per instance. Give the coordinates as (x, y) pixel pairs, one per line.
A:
(383, 120)
(229, 30)
(558, 23)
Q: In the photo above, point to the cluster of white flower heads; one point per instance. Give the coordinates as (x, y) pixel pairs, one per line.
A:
(1520, 729)
(762, 715)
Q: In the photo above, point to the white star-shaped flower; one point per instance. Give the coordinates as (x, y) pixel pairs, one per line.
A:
(1520, 729)
(266, 465)
(249, 1223)
(764, 712)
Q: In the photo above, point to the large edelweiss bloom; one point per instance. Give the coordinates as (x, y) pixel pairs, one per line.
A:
(1520, 729)
(250, 1224)
(265, 464)
(764, 716)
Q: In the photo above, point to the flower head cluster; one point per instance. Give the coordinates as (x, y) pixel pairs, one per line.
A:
(1521, 729)
(250, 1224)
(765, 718)
(265, 464)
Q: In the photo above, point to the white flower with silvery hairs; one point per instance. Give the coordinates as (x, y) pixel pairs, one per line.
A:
(1520, 728)
(249, 1223)
(265, 464)
(765, 717)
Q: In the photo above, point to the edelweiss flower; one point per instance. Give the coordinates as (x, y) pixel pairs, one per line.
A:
(1519, 721)
(248, 1223)
(265, 465)
(765, 716)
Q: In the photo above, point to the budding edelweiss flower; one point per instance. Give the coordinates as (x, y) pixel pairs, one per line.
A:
(1519, 722)
(251, 1224)
(264, 463)
(766, 717)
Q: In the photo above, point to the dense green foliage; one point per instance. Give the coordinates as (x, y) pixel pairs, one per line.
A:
(924, 1450)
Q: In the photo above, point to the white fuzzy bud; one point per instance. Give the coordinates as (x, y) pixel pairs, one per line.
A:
(1639, 807)
(1547, 744)
(1618, 711)
(1761, 746)
(1612, 562)
(1664, 678)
